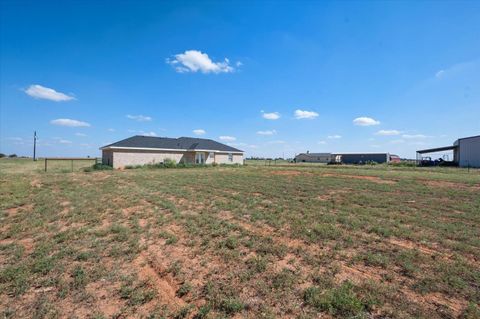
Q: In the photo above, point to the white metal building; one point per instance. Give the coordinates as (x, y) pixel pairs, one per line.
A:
(467, 151)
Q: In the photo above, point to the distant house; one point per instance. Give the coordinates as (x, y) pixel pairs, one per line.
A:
(141, 150)
(313, 157)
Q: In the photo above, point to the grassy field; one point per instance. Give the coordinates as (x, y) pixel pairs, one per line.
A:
(243, 242)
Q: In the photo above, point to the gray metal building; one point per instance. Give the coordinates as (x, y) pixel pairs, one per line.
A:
(361, 158)
(466, 151)
(313, 157)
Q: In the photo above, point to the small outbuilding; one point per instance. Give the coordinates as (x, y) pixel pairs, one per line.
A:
(142, 150)
(313, 157)
(466, 151)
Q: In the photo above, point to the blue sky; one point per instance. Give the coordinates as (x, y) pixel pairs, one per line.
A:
(270, 78)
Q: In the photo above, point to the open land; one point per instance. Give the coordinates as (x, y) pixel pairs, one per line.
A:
(243, 242)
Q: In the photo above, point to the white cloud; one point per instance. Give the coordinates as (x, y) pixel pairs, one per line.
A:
(227, 138)
(40, 92)
(199, 132)
(388, 132)
(440, 74)
(69, 122)
(111, 130)
(399, 141)
(301, 114)
(271, 116)
(334, 137)
(61, 141)
(321, 142)
(139, 118)
(268, 132)
(80, 134)
(365, 121)
(414, 136)
(14, 139)
(194, 61)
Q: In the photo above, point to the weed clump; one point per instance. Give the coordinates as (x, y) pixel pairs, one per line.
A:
(339, 301)
(98, 167)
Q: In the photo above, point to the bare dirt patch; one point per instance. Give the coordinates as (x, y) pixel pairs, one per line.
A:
(374, 179)
(154, 270)
(14, 210)
(412, 245)
(447, 184)
(290, 173)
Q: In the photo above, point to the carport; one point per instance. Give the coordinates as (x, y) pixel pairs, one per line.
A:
(435, 150)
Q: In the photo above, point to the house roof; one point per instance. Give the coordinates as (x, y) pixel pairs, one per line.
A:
(181, 143)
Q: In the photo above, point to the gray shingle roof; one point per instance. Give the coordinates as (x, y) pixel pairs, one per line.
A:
(181, 143)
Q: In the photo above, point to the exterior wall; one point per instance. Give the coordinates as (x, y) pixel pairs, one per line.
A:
(308, 158)
(469, 152)
(209, 157)
(362, 158)
(107, 157)
(222, 158)
(122, 158)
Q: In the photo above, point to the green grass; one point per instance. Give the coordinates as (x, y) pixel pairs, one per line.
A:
(255, 241)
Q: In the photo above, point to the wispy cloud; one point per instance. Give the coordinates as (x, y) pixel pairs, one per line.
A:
(414, 136)
(61, 141)
(139, 118)
(334, 137)
(195, 61)
(199, 132)
(301, 114)
(40, 92)
(277, 142)
(69, 123)
(227, 138)
(241, 144)
(80, 134)
(440, 74)
(268, 132)
(388, 132)
(365, 121)
(111, 130)
(322, 142)
(271, 116)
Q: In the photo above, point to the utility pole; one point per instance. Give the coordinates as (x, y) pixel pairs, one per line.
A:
(34, 145)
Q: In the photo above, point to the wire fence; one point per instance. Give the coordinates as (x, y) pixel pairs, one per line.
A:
(69, 164)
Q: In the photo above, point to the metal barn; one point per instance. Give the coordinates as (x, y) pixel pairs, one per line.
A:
(466, 151)
(361, 158)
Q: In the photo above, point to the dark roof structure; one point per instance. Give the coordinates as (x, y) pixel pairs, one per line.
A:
(181, 143)
(315, 154)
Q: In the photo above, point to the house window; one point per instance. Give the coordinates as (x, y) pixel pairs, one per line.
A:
(230, 157)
